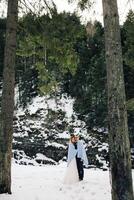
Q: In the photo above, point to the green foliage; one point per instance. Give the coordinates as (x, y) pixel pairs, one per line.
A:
(129, 42)
(128, 52)
(56, 52)
(130, 105)
(128, 60)
(50, 40)
(47, 81)
(88, 85)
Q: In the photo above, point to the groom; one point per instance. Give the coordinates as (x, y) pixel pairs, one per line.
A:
(80, 156)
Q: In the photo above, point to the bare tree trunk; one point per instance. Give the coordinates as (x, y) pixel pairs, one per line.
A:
(120, 158)
(6, 126)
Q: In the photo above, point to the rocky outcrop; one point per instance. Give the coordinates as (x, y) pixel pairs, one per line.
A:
(44, 127)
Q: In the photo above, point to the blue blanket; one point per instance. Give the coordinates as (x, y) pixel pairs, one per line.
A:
(80, 151)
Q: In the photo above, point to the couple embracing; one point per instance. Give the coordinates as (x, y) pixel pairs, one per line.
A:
(77, 158)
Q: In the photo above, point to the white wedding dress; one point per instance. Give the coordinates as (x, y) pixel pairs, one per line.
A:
(71, 175)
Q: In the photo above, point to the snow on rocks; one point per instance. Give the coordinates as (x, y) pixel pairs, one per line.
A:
(44, 126)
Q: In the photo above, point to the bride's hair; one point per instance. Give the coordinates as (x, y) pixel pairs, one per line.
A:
(71, 137)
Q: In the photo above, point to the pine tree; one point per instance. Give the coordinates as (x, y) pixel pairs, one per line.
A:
(120, 159)
(7, 107)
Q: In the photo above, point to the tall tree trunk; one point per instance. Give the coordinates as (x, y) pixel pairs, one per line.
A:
(120, 159)
(7, 106)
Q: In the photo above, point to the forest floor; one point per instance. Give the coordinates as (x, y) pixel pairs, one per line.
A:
(45, 183)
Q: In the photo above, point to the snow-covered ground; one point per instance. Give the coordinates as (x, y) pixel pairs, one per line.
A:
(45, 183)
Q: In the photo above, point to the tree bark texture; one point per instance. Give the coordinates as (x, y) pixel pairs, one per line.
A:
(7, 105)
(119, 146)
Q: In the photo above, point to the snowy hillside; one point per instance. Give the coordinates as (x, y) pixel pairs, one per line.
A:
(42, 130)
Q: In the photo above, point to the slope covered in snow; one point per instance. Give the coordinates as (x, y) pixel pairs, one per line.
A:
(44, 128)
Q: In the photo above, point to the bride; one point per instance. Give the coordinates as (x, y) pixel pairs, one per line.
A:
(76, 159)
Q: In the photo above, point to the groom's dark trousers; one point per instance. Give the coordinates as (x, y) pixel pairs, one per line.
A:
(79, 165)
(80, 168)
